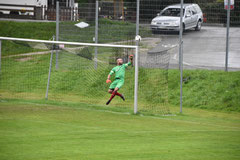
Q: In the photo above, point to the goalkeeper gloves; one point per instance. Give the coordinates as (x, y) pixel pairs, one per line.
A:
(131, 57)
(108, 81)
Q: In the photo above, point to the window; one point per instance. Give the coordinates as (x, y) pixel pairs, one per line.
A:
(194, 11)
(174, 12)
(188, 13)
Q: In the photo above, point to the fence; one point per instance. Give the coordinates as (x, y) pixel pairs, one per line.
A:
(205, 49)
(214, 12)
(202, 50)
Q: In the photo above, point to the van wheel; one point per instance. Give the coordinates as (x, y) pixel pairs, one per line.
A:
(198, 26)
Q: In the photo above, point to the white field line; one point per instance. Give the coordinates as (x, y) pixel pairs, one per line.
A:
(146, 116)
(101, 129)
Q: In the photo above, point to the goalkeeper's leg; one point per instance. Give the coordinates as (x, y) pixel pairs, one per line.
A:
(114, 92)
(119, 85)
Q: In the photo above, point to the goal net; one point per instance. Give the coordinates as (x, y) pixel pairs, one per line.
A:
(80, 76)
(153, 81)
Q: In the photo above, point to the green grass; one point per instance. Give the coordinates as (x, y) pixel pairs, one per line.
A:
(32, 30)
(216, 90)
(31, 130)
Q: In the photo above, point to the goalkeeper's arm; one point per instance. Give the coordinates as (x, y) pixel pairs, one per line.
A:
(109, 76)
(108, 79)
(131, 58)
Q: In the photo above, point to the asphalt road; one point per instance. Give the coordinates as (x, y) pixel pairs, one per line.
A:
(205, 49)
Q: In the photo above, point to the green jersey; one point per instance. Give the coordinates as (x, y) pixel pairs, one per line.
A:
(120, 70)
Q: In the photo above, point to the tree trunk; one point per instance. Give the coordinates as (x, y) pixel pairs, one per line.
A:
(91, 10)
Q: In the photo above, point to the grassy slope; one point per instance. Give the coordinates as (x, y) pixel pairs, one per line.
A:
(33, 30)
(109, 31)
(33, 131)
(217, 90)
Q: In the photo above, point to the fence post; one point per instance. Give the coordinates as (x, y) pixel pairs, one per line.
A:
(49, 72)
(137, 18)
(181, 53)
(227, 36)
(57, 30)
(96, 34)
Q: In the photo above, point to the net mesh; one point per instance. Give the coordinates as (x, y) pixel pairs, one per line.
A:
(24, 76)
(153, 78)
(81, 76)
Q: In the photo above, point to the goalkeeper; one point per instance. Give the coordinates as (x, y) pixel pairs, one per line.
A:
(118, 82)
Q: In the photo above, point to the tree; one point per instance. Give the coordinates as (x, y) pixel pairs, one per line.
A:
(91, 10)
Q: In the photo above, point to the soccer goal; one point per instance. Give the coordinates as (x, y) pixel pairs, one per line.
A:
(81, 74)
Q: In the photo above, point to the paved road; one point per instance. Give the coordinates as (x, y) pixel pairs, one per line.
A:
(205, 49)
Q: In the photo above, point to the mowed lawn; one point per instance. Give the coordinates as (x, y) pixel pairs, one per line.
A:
(42, 132)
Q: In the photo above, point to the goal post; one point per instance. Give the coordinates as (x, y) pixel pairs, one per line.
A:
(68, 43)
(25, 75)
(58, 43)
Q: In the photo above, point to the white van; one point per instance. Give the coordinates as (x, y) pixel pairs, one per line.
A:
(19, 6)
(169, 18)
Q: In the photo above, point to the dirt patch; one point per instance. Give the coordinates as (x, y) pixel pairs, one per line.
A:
(24, 59)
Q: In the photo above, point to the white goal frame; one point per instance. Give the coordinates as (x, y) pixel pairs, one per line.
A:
(87, 44)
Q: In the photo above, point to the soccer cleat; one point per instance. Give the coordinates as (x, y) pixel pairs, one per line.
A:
(108, 102)
(123, 98)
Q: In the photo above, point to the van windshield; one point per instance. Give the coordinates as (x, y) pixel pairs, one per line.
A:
(174, 12)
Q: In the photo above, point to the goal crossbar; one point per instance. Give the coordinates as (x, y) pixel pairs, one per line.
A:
(69, 43)
(136, 47)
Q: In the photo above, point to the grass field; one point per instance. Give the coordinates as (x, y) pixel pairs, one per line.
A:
(53, 132)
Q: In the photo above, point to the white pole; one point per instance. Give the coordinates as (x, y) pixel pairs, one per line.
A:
(136, 61)
(181, 54)
(49, 73)
(137, 20)
(96, 34)
(136, 82)
(70, 43)
(57, 30)
(227, 37)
